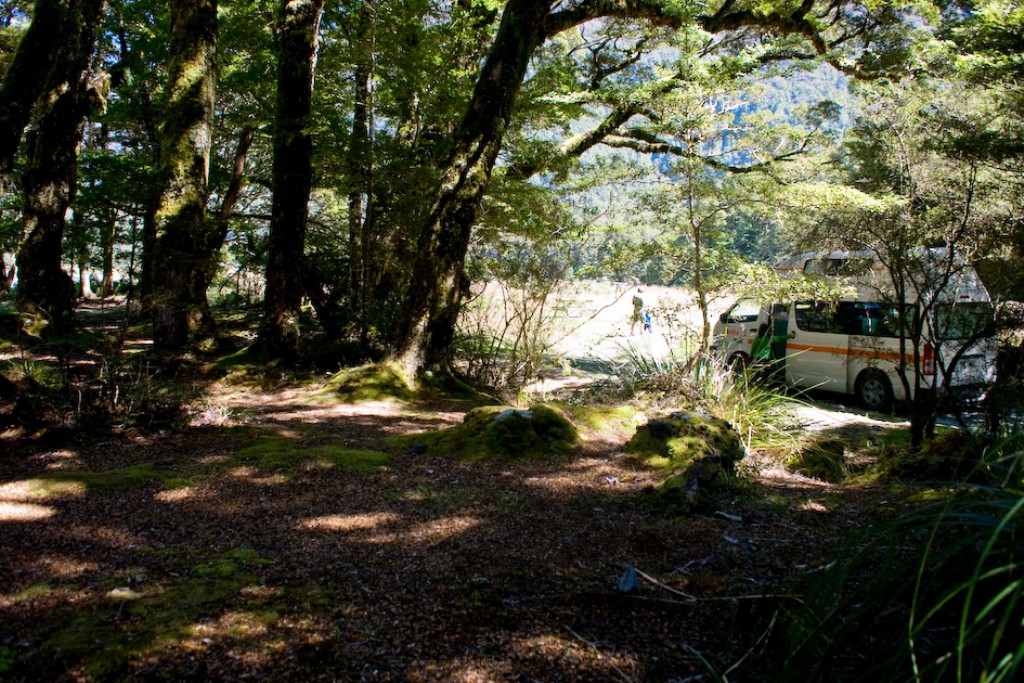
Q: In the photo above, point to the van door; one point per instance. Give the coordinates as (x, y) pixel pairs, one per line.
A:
(739, 327)
(818, 349)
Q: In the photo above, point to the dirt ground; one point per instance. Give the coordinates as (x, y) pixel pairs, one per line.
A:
(424, 568)
(191, 554)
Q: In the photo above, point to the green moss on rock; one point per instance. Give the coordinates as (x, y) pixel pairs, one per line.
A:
(375, 382)
(500, 431)
(697, 456)
(611, 422)
(951, 455)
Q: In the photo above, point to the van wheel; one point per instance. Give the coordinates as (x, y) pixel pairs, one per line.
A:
(874, 391)
(738, 362)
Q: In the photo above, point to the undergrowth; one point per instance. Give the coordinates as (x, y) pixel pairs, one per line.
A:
(936, 595)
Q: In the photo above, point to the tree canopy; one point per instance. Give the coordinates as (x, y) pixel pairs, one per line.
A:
(434, 131)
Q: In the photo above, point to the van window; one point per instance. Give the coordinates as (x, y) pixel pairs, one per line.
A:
(745, 311)
(837, 266)
(876, 319)
(861, 318)
(968, 320)
(818, 316)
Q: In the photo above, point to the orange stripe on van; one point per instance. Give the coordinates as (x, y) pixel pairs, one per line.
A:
(838, 351)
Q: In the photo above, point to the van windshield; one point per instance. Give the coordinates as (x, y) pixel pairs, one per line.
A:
(969, 320)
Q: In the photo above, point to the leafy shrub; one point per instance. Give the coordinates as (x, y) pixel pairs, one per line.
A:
(705, 384)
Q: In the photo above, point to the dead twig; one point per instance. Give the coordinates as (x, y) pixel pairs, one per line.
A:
(753, 647)
(622, 674)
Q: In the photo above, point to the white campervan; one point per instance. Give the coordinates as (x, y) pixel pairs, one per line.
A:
(859, 343)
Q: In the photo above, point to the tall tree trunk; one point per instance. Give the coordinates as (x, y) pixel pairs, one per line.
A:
(48, 57)
(107, 241)
(182, 264)
(5, 283)
(360, 185)
(297, 31)
(49, 180)
(50, 174)
(427, 324)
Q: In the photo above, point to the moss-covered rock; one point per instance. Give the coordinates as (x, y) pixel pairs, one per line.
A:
(500, 431)
(951, 455)
(696, 454)
(374, 382)
(824, 460)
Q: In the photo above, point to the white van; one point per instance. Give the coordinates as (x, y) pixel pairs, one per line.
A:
(854, 346)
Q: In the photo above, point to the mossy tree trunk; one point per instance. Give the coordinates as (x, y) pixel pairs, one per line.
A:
(48, 58)
(183, 258)
(298, 25)
(50, 173)
(438, 277)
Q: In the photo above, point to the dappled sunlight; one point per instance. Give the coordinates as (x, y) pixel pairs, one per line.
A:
(214, 459)
(813, 506)
(39, 489)
(384, 527)
(475, 670)
(123, 594)
(572, 653)
(63, 459)
(109, 536)
(361, 522)
(257, 477)
(24, 512)
(175, 495)
(19, 499)
(586, 475)
(244, 623)
(437, 530)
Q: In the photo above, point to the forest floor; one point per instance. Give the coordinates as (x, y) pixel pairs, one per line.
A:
(281, 535)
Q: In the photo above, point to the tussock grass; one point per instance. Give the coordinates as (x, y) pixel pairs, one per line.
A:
(936, 595)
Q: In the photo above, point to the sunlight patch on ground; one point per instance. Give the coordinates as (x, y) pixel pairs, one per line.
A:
(39, 489)
(24, 512)
(352, 522)
(813, 506)
(63, 459)
(573, 654)
(174, 495)
(257, 477)
(587, 474)
(107, 536)
(442, 529)
(473, 671)
(214, 459)
(432, 532)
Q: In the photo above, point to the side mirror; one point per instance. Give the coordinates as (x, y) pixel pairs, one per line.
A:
(724, 317)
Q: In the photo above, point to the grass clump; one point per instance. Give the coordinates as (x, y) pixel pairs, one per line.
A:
(755, 408)
(500, 431)
(936, 595)
(824, 460)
